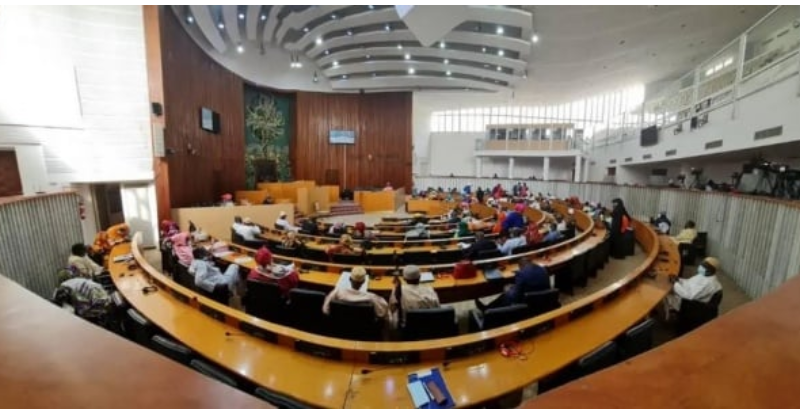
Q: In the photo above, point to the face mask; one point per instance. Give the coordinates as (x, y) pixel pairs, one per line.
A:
(701, 270)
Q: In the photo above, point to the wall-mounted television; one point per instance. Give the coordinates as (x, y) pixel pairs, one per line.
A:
(209, 120)
(649, 136)
(340, 137)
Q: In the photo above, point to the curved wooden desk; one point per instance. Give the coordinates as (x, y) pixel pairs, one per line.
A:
(280, 358)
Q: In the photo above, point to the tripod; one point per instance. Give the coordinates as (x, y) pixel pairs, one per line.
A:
(764, 185)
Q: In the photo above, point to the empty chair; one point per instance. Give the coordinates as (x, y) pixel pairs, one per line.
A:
(305, 307)
(352, 259)
(171, 349)
(221, 293)
(212, 371)
(430, 323)
(637, 339)
(285, 251)
(597, 360)
(496, 317)
(417, 257)
(265, 301)
(696, 313)
(278, 400)
(540, 302)
(138, 328)
(354, 321)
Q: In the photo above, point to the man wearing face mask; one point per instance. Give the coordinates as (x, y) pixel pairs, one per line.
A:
(701, 287)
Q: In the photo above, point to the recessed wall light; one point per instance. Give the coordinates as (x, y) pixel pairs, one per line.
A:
(349, 32)
(499, 68)
(239, 48)
(387, 27)
(371, 7)
(411, 71)
(327, 52)
(442, 44)
(333, 16)
(305, 29)
(344, 77)
(336, 63)
(483, 49)
(369, 56)
(374, 74)
(448, 73)
(399, 46)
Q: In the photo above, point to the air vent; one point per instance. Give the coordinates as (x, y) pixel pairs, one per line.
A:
(769, 133)
(612, 161)
(671, 152)
(714, 144)
(628, 159)
(648, 156)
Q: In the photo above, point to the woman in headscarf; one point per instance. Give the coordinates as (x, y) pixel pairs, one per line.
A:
(620, 226)
(285, 276)
(182, 248)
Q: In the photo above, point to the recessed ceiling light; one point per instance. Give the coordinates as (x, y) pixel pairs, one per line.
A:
(500, 30)
(369, 56)
(239, 48)
(263, 17)
(499, 68)
(344, 77)
(387, 27)
(483, 49)
(349, 32)
(408, 56)
(305, 29)
(190, 19)
(336, 63)
(319, 40)
(411, 71)
(298, 64)
(327, 52)
(441, 44)
(446, 61)
(535, 38)
(371, 7)
(448, 73)
(241, 16)
(333, 16)
(399, 46)
(220, 25)
(501, 53)
(374, 74)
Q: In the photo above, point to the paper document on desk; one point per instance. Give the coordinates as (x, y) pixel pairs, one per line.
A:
(222, 254)
(418, 394)
(344, 282)
(124, 257)
(426, 277)
(243, 260)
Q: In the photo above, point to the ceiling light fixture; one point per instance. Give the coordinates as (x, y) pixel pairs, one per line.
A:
(327, 52)
(535, 38)
(305, 29)
(483, 49)
(408, 56)
(264, 17)
(344, 77)
(501, 53)
(371, 7)
(399, 46)
(387, 27)
(499, 68)
(220, 25)
(241, 16)
(190, 19)
(369, 56)
(350, 32)
(447, 73)
(239, 48)
(319, 40)
(336, 63)
(442, 44)
(446, 61)
(500, 30)
(333, 16)
(411, 71)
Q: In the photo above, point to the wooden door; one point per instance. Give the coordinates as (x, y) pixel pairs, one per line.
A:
(10, 181)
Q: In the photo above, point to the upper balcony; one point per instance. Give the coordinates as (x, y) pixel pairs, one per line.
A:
(520, 140)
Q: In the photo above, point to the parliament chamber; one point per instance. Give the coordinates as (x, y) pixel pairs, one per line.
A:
(315, 210)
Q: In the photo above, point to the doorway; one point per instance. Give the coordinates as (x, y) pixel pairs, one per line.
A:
(11, 182)
(108, 205)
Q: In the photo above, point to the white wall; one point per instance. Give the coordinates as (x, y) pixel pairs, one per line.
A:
(74, 81)
(776, 105)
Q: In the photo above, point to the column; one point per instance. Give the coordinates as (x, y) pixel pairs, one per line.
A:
(578, 164)
(478, 167)
(511, 168)
(546, 169)
(586, 171)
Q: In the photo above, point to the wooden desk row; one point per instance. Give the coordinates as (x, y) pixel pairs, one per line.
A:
(282, 359)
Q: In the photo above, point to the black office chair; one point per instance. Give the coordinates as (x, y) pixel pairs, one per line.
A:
(352, 259)
(167, 261)
(496, 317)
(138, 328)
(540, 302)
(636, 340)
(700, 244)
(522, 249)
(597, 360)
(578, 265)
(694, 314)
(487, 254)
(688, 255)
(213, 372)
(305, 308)
(236, 238)
(182, 276)
(265, 301)
(417, 257)
(221, 294)
(285, 251)
(354, 321)
(171, 349)
(278, 400)
(430, 323)
(593, 262)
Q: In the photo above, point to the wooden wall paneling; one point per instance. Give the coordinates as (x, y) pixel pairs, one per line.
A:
(11, 182)
(193, 80)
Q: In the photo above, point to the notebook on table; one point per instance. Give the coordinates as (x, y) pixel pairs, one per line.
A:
(492, 274)
(427, 277)
(421, 393)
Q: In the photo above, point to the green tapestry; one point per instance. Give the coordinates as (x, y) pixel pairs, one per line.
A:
(268, 120)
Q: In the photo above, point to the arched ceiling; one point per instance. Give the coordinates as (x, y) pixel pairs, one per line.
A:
(580, 50)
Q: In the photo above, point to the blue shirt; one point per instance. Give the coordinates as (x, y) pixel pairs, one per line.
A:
(531, 278)
(513, 219)
(552, 235)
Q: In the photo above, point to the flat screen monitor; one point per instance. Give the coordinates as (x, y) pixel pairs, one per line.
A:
(209, 120)
(649, 136)
(339, 137)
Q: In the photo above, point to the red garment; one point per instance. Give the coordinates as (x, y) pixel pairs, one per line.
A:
(625, 224)
(533, 235)
(498, 225)
(286, 283)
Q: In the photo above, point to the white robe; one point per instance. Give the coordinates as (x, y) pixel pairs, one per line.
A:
(697, 288)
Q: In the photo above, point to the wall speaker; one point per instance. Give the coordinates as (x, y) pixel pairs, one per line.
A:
(156, 108)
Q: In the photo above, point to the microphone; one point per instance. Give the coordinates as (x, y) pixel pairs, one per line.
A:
(234, 334)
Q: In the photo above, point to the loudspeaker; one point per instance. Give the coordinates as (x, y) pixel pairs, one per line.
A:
(156, 108)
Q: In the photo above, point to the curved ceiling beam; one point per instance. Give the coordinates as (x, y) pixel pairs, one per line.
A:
(381, 16)
(272, 22)
(412, 82)
(251, 22)
(299, 20)
(202, 16)
(453, 55)
(231, 19)
(383, 66)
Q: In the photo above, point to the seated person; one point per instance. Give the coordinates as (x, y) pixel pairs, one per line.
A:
(268, 200)
(168, 228)
(227, 200)
(553, 235)
(85, 295)
(285, 276)
(700, 287)
(662, 223)
(561, 224)
(420, 231)
(337, 229)
(81, 263)
(514, 218)
(463, 228)
(412, 295)
(309, 226)
(345, 246)
(352, 295)
(290, 240)
(248, 230)
(533, 235)
(388, 187)
(283, 224)
(510, 243)
(182, 248)
(688, 234)
(482, 243)
(118, 233)
(530, 277)
(571, 229)
(500, 217)
(101, 246)
(207, 276)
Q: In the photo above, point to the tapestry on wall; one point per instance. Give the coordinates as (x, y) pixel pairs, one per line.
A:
(268, 126)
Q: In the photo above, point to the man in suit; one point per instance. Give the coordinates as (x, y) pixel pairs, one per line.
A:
(530, 277)
(481, 244)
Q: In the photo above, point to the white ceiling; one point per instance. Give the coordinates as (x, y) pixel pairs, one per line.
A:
(582, 50)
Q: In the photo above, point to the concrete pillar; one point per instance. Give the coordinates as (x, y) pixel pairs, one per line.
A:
(511, 168)
(586, 171)
(478, 167)
(578, 164)
(546, 168)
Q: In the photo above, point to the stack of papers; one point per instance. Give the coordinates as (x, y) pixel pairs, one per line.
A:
(427, 277)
